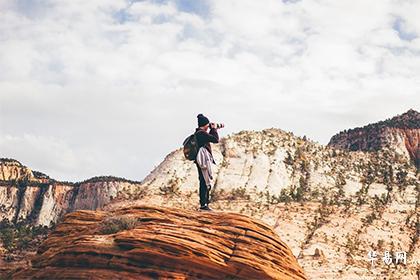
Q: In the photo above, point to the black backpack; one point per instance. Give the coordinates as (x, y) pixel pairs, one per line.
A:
(190, 147)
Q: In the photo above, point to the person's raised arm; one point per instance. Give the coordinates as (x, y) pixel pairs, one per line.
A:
(213, 136)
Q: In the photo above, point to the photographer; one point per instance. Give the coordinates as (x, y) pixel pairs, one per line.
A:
(204, 139)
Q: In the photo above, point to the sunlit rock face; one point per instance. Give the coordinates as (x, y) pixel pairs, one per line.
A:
(162, 243)
(30, 196)
(331, 205)
(400, 134)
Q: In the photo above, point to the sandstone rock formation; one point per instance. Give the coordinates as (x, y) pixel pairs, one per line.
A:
(401, 134)
(162, 243)
(282, 166)
(341, 202)
(270, 161)
(345, 203)
(31, 196)
(13, 170)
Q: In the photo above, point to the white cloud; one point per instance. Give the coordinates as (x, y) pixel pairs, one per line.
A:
(47, 153)
(110, 87)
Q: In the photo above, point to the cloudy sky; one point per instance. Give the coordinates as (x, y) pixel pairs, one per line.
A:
(109, 87)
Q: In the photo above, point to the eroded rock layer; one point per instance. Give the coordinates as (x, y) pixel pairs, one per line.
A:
(401, 134)
(155, 242)
(31, 196)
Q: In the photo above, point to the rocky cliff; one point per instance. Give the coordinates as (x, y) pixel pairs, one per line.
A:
(31, 196)
(400, 133)
(331, 205)
(285, 167)
(162, 243)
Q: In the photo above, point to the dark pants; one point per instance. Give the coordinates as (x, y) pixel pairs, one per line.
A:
(204, 191)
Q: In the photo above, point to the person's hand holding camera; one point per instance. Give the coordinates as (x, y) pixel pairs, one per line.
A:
(217, 125)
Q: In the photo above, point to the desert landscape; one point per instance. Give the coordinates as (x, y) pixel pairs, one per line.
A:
(285, 207)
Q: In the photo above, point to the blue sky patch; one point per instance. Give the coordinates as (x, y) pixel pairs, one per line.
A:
(403, 34)
(32, 8)
(122, 16)
(198, 7)
(290, 1)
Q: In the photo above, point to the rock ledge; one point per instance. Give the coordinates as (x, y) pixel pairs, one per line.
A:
(155, 242)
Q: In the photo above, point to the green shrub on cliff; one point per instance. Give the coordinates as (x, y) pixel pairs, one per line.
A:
(20, 236)
(115, 224)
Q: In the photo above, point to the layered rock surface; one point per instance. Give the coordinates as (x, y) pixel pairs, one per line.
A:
(167, 243)
(331, 205)
(13, 170)
(31, 196)
(271, 160)
(276, 163)
(400, 133)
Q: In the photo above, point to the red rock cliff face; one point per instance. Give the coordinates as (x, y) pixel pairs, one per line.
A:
(162, 243)
(401, 134)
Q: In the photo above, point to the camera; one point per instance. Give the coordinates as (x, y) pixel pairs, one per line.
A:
(218, 125)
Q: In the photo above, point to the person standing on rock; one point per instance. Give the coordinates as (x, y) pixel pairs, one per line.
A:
(204, 139)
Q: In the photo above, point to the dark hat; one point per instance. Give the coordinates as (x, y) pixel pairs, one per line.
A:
(202, 120)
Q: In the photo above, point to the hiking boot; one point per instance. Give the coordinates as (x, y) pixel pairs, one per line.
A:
(206, 208)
